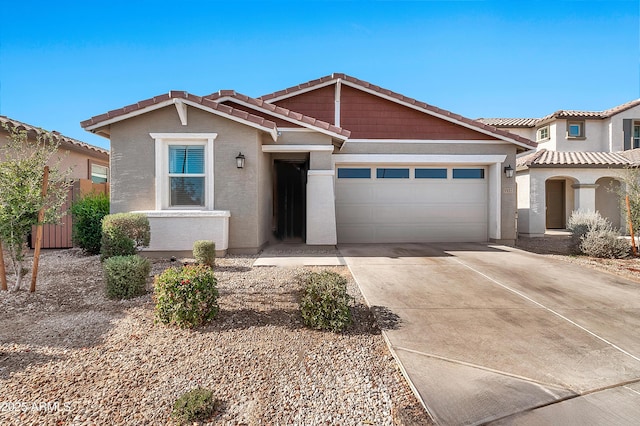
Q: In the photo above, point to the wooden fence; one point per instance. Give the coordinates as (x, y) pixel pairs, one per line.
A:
(59, 236)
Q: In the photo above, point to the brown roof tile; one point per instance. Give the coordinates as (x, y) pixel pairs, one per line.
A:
(545, 158)
(63, 139)
(178, 94)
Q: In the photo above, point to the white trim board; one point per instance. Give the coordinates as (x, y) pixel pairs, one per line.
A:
(281, 116)
(418, 159)
(434, 141)
(297, 148)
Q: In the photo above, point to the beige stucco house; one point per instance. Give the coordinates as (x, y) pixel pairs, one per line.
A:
(578, 164)
(333, 160)
(88, 163)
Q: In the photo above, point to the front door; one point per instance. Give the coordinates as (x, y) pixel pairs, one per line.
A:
(555, 204)
(291, 200)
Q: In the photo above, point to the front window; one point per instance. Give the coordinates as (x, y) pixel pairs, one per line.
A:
(542, 133)
(186, 175)
(184, 170)
(575, 129)
(636, 135)
(99, 173)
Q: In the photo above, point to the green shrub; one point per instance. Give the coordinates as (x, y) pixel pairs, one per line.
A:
(605, 243)
(325, 302)
(126, 276)
(124, 234)
(196, 405)
(204, 251)
(87, 221)
(187, 296)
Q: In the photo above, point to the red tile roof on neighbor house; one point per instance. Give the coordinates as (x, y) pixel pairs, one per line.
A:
(354, 82)
(278, 111)
(563, 113)
(64, 140)
(545, 158)
(175, 94)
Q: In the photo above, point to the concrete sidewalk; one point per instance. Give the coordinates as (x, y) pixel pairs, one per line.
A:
(494, 334)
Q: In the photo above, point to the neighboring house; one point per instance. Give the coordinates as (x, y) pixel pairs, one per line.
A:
(578, 164)
(333, 160)
(86, 161)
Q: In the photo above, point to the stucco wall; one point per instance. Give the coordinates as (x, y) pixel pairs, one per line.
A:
(532, 217)
(614, 127)
(236, 190)
(72, 157)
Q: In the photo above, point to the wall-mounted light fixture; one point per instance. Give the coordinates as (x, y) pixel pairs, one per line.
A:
(240, 161)
(508, 171)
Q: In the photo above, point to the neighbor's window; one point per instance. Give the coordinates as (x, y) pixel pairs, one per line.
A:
(431, 173)
(392, 173)
(353, 173)
(542, 133)
(636, 135)
(99, 173)
(468, 173)
(575, 129)
(186, 175)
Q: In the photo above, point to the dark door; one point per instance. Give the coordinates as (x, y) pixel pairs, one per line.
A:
(291, 200)
(555, 204)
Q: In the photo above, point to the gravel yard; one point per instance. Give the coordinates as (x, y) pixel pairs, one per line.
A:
(68, 355)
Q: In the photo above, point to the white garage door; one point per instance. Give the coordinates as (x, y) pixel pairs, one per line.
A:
(387, 204)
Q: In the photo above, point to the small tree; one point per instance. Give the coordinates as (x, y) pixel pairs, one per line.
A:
(21, 176)
(631, 187)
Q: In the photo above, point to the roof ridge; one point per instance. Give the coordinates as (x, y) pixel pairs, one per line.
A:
(401, 98)
(55, 133)
(276, 109)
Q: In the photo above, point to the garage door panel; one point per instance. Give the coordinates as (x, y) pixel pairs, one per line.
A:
(411, 210)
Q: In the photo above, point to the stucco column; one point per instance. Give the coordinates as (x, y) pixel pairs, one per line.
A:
(321, 208)
(495, 201)
(585, 196)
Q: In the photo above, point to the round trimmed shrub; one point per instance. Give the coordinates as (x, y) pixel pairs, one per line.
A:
(124, 234)
(187, 296)
(126, 276)
(204, 251)
(87, 221)
(196, 405)
(325, 302)
(605, 244)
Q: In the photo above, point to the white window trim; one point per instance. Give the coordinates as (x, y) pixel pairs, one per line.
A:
(539, 131)
(162, 142)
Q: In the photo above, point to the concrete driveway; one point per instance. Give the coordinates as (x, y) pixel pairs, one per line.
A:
(493, 334)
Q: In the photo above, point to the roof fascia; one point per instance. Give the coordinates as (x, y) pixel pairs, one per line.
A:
(304, 90)
(283, 117)
(273, 132)
(441, 116)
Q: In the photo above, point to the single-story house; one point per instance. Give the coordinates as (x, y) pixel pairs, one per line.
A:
(333, 160)
(578, 165)
(88, 163)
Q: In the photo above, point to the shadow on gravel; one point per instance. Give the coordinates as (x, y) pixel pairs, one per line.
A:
(12, 362)
(232, 268)
(364, 322)
(385, 318)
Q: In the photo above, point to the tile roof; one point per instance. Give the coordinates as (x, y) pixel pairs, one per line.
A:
(509, 122)
(401, 98)
(174, 94)
(279, 111)
(64, 140)
(633, 155)
(545, 158)
(563, 113)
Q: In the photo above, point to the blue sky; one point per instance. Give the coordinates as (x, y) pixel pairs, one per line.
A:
(62, 62)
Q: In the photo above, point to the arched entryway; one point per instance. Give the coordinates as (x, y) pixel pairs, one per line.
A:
(608, 201)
